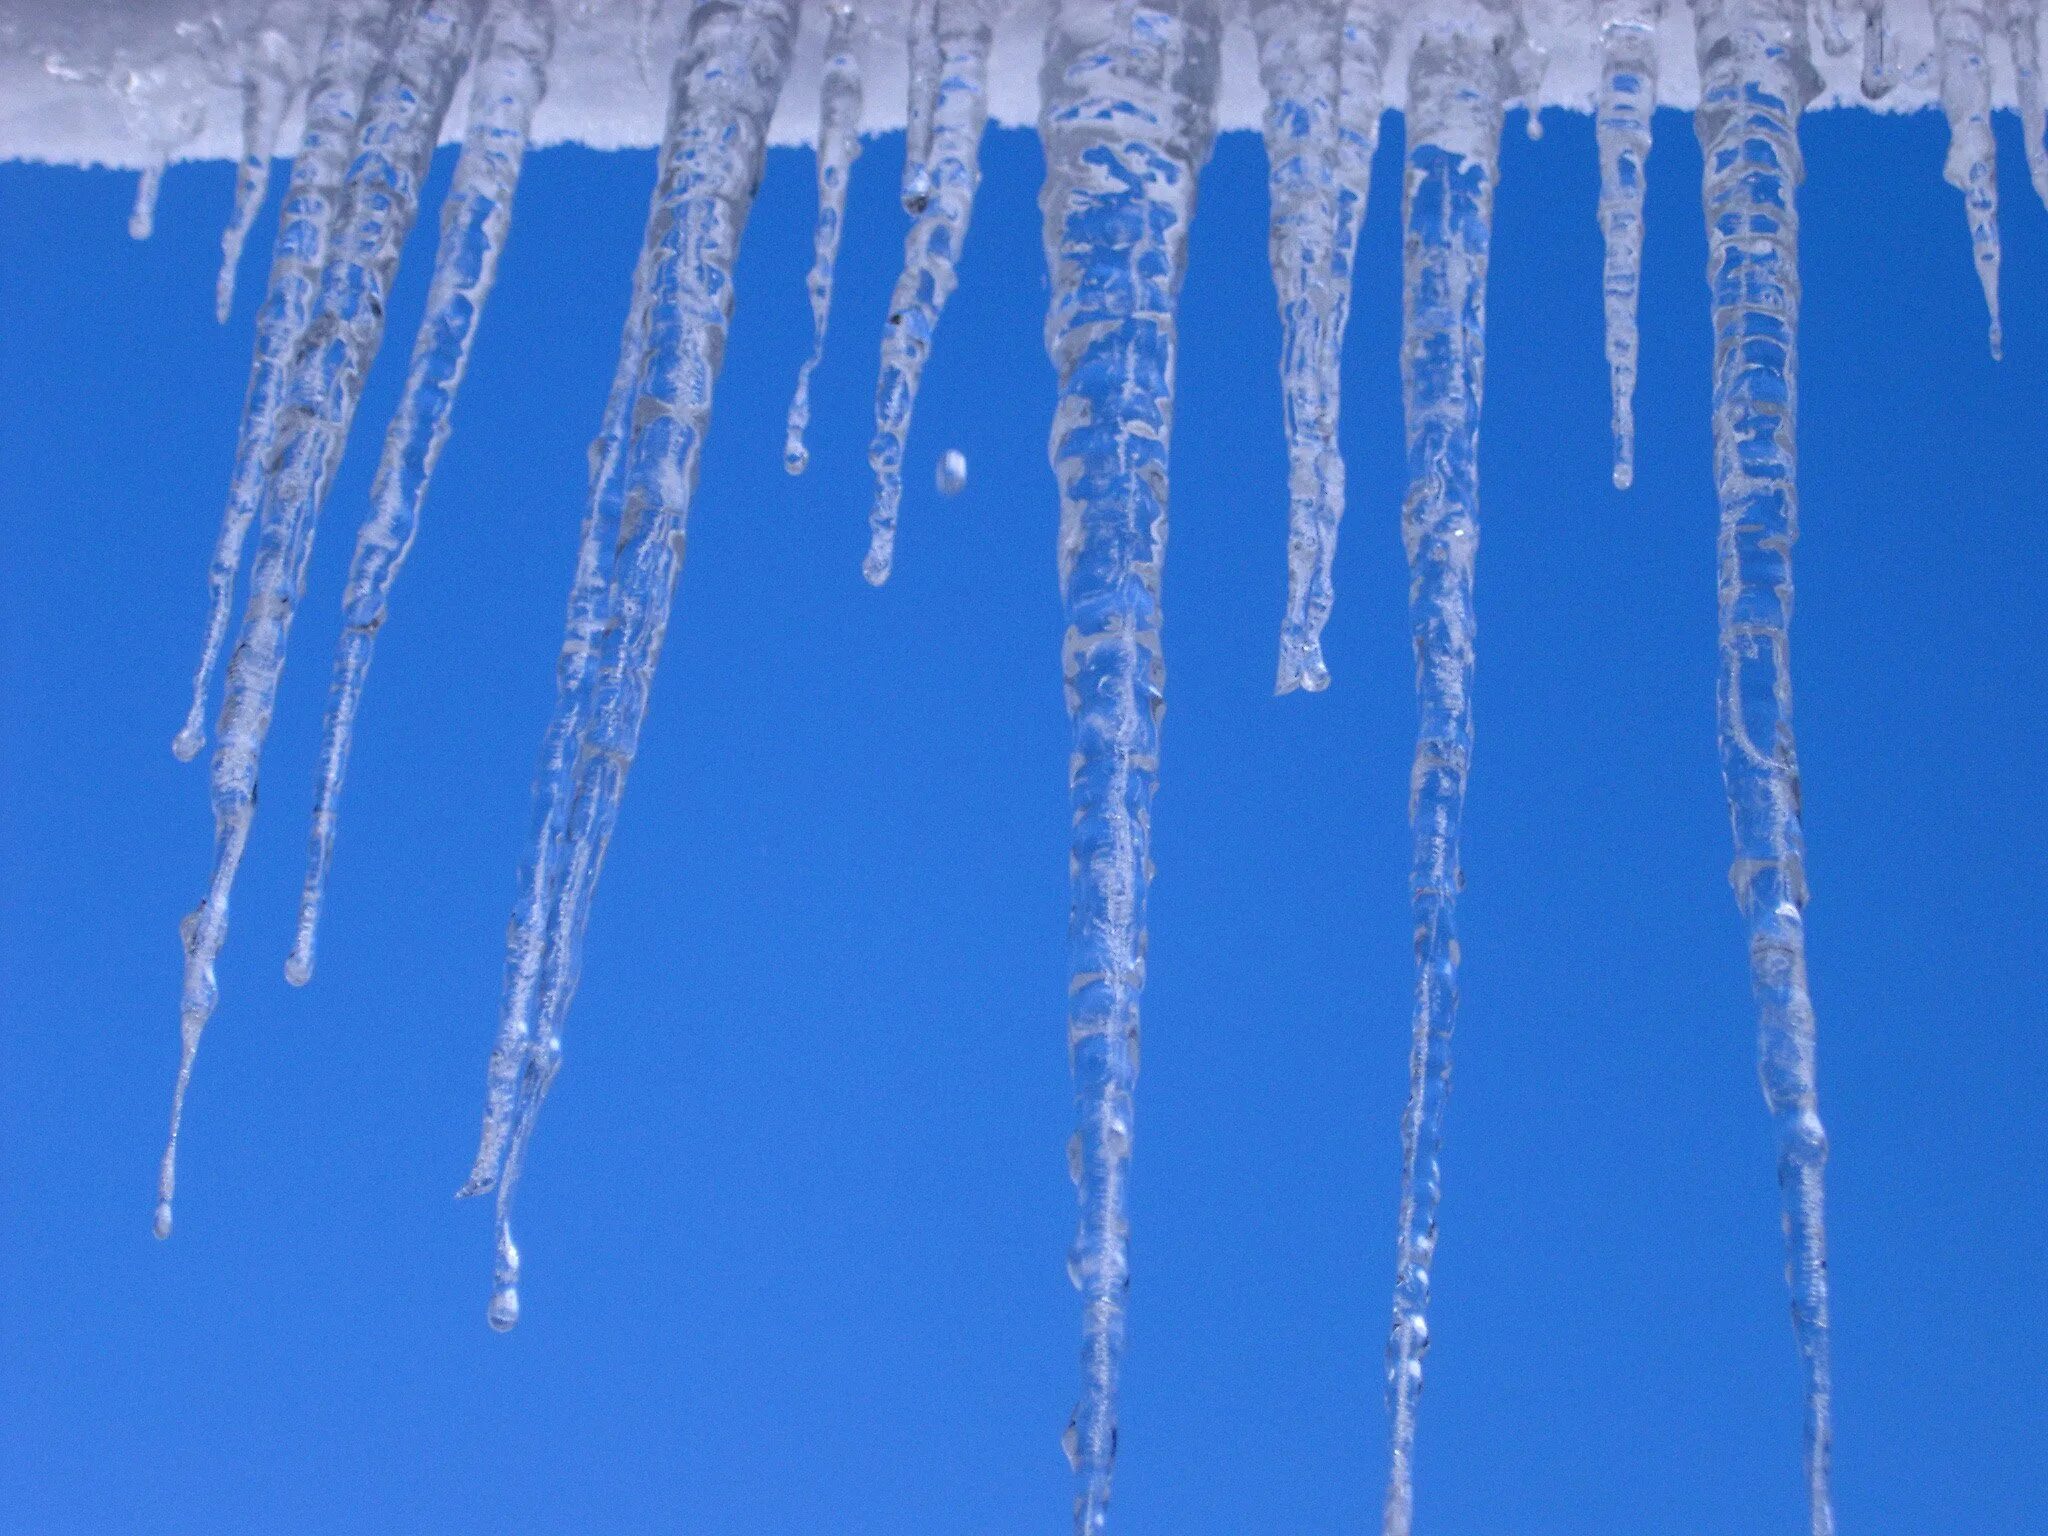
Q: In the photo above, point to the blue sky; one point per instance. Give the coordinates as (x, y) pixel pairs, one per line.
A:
(796, 1216)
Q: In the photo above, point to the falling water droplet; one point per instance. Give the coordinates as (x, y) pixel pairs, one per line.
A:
(952, 474)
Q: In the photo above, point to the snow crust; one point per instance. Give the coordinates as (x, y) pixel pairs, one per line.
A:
(603, 95)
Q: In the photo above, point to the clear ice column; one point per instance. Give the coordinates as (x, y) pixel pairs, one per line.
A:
(839, 104)
(1962, 32)
(1458, 79)
(1127, 116)
(1754, 78)
(724, 92)
(506, 85)
(1622, 117)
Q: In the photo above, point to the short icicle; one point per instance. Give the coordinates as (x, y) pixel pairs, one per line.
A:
(506, 86)
(1962, 33)
(1300, 45)
(2022, 21)
(724, 93)
(1459, 77)
(268, 66)
(401, 123)
(926, 65)
(350, 51)
(1127, 118)
(931, 253)
(839, 104)
(1622, 121)
(1754, 79)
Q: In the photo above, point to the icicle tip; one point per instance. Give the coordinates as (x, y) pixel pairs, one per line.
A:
(161, 1226)
(504, 1309)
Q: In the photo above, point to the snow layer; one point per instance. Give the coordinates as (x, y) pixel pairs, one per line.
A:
(604, 95)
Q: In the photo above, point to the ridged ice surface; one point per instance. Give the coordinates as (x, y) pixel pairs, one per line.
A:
(939, 189)
(1752, 58)
(1460, 75)
(401, 123)
(1129, 115)
(2022, 22)
(506, 84)
(645, 466)
(839, 107)
(1962, 33)
(1621, 124)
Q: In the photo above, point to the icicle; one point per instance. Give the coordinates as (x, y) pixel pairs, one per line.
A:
(1300, 46)
(1961, 32)
(1127, 118)
(1627, 106)
(149, 185)
(1882, 66)
(401, 124)
(927, 64)
(162, 104)
(269, 79)
(952, 171)
(2022, 20)
(350, 51)
(725, 89)
(839, 101)
(1461, 73)
(1754, 79)
(506, 86)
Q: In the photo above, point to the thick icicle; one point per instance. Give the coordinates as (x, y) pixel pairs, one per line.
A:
(379, 199)
(349, 53)
(931, 251)
(268, 67)
(839, 102)
(1754, 78)
(927, 64)
(1961, 32)
(505, 87)
(1627, 106)
(1128, 113)
(2022, 20)
(1458, 78)
(724, 93)
(1300, 44)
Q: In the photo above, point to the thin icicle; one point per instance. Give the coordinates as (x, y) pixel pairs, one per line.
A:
(839, 102)
(163, 105)
(1461, 73)
(1128, 114)
(927, 64)
(1300, 51)
(952, 165)
(349, 53)
(724, 93)
(1754, 78)
(268, 67)
(506, 86)
(379, 199)
(1622, 120)
(1961, 33)
(2022, 21)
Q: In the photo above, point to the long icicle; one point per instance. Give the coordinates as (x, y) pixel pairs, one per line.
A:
(2022, 20)
(839, 104)
(506, 86)
(931, 251)
(379, 199)
(1962, 33)
(1365, 38)
(1622, 123)
(1458, 78)
(268, 60)
(1300, 48)
(350, 51)
(1128, 115)
(1754, 78)
(724, 93)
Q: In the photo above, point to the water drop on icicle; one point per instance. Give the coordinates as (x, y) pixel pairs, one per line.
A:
(1754, 79)
(951, 475)
(268, 67)
(2023, 33)
(839, 104)
(645, 466)
(1299, 65)
(1623, 116)
(1972, 163)
(506, 85)
(401, 123)
(962, 30)
(1127, 120)
(1458, 79)
(350, 50)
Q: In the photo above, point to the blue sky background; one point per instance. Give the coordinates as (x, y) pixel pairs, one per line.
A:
(796, 1217)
